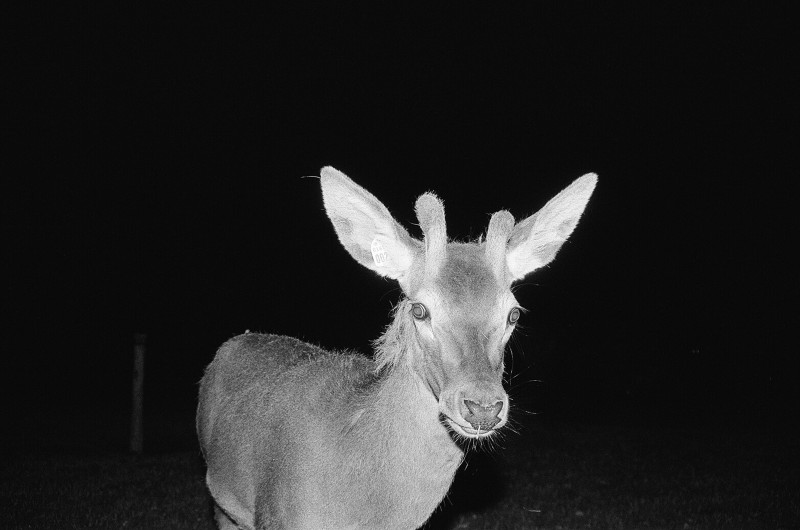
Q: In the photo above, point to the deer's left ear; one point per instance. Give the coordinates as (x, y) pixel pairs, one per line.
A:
(535, 241)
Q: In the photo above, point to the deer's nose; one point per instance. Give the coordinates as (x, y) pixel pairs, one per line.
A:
(482, 416)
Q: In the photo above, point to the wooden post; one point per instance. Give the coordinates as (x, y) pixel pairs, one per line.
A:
(140, 341)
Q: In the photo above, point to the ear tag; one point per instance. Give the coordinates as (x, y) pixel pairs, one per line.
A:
(379, 254)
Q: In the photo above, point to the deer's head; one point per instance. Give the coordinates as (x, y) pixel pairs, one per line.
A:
(452, 326)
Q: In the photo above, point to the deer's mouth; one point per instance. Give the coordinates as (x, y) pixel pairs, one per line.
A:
(468, 431)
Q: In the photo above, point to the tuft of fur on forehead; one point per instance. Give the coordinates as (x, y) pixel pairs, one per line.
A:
(466, 279)
(430, 214)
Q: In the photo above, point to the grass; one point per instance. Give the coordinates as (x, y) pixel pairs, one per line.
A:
(104, 491)
(605, 477)
(561, 476)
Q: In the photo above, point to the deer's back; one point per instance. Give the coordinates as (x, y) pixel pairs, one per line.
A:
(248, 375)
(251, 397)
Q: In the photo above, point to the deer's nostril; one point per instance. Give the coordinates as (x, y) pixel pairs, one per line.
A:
(477, 408)
(483, 417)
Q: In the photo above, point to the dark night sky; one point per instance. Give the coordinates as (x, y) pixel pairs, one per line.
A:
(159, 187)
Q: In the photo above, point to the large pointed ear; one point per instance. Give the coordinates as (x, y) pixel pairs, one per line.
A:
(365, 227)
(535, 241)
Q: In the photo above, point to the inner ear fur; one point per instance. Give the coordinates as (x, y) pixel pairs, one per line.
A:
(535, 241)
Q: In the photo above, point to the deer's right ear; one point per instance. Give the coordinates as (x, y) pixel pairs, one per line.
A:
(365, 227)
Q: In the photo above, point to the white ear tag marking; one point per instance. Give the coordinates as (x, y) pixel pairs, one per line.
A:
(379, 254)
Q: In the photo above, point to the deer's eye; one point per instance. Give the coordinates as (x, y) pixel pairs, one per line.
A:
(513, 316)
(419, 311)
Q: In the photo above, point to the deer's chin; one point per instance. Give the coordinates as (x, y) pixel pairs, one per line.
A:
(469, 432)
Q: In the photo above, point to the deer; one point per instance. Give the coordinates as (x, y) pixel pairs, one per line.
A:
(297, 437)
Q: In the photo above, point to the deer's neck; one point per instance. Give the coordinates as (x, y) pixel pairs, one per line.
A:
(401, 411)
(405, 406)
(412, 458)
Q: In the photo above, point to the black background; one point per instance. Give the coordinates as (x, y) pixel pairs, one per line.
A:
(156, 186)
